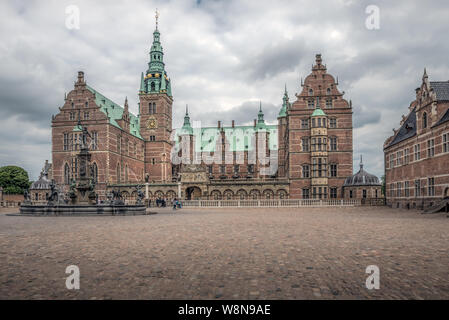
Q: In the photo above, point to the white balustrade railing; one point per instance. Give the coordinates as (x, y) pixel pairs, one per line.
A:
(270, 203)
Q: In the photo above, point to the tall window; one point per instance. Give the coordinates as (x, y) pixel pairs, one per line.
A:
(333, 143)
(152, 138)
(119, 144)
(417, 188)
(333, 169)
(87, 104)
(209, 169)
(332, 123)
(305, 171)
(251, 168)
(398, 158)
(333, 193)
(305, 144)
(236, 169)
(406, 156)
(391, 161)
(430, 148)
(86, 115)
(94, 140)
(319, 167)
(406, 189)
(66, 141)
(222, 169)
(72, 116)
(446, 142)
(95, 172)
(305, 194)
(417, 152)
(424, 120)
(152, 108)
(153, 86)
(75, 167)
(310, 92)
(351, 195)
(328, 103)
(431, 187)
(364, 194)
(398, 189)
(66, 174)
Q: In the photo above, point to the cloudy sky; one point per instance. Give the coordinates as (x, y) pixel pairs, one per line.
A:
(222, 56)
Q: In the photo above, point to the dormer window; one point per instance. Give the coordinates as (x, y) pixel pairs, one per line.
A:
(328, 91)
(424, 120)
(310, 92)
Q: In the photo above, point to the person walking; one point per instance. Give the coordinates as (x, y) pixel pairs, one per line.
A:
(174, 202)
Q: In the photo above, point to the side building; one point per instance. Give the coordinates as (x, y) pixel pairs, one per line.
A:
(417, 155)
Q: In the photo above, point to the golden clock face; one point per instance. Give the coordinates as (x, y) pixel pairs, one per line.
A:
(152, 123)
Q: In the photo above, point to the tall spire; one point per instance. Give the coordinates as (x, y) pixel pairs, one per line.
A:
(361, 162)
(285, 104)
(186, 127)
(260, 114)
(155, 79)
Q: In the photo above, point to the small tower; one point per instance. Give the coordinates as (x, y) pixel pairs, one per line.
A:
(282, 131)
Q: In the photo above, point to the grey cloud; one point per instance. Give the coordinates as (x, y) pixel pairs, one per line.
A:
(222, 56)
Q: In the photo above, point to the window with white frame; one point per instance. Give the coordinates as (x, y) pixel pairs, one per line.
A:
(446, 142)
(417, 154)
(406, 189)
(431, 187)
(430, 148)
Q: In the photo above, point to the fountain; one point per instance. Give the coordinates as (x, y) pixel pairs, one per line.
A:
(82, 198)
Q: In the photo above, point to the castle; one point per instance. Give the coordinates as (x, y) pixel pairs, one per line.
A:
(307, 155)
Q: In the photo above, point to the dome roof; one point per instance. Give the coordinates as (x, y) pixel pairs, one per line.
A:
(43, 183)
(362, 178)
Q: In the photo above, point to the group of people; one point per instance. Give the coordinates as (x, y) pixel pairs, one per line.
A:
(162, 202)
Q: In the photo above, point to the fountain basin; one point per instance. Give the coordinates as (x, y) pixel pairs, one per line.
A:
(78, 210)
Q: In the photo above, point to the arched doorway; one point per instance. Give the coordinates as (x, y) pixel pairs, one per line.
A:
(446, 193)
(193, 193)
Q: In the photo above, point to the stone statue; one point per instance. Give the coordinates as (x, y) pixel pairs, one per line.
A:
(26, 196)
(53, 197)
(140, 195)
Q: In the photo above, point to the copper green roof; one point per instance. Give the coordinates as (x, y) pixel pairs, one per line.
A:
(77, 128)
(114, 112)
(239, 137)
(285, 104)
(318, 112)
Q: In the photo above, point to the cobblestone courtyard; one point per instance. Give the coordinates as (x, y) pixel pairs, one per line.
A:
(228, 254)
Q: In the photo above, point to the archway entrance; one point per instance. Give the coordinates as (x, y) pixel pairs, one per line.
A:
(193, 193)
(446, 193)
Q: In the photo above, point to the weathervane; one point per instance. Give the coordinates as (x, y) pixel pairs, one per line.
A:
(157, 16)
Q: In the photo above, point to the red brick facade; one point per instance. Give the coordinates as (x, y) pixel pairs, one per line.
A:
(319, 149)
(308, 154)
(417, 155)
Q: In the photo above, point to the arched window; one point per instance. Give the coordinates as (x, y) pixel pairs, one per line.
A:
(66, 174)
(310, 92)
(95, 172)
(152, 109)
(153, 86)
(424, 120)
(118, 173)
(328, 91)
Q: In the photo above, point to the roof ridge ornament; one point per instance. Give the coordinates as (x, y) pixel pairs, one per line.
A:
(157, 18)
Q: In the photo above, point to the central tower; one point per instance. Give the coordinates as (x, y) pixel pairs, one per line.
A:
(155, 109)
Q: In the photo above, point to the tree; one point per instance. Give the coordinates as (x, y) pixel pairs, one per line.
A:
(14, 180)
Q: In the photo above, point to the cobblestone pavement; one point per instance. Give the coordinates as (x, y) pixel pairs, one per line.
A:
(228, 254)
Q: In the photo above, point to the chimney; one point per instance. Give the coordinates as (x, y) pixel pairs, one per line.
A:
(219, 124)
(233, 123)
